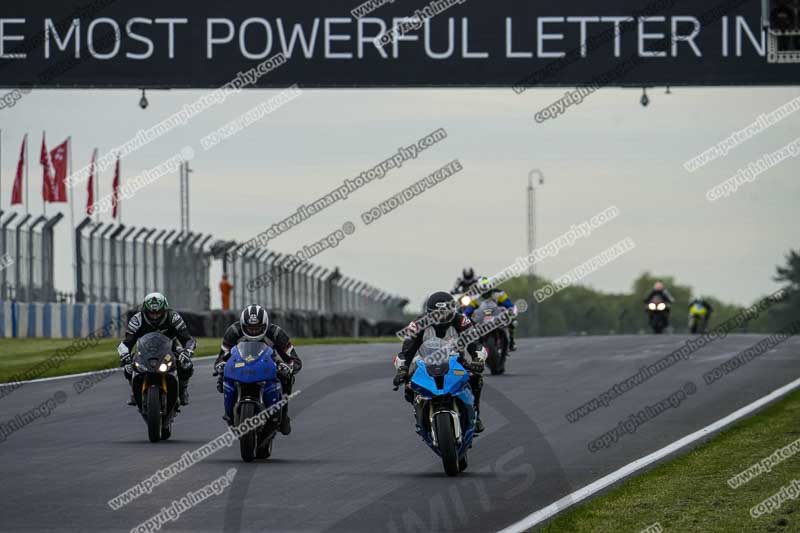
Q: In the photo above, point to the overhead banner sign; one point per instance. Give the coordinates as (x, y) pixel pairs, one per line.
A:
(385, 43)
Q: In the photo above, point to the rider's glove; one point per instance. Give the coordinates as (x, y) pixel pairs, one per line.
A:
(124, 355)
(481, 355)
(476, 366)
(219, 368)
(284, 370)
(400, 377)
(185, 358)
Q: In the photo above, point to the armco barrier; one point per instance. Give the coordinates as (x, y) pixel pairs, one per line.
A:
(59, 320)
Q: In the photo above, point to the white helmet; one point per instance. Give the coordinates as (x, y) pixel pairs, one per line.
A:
(254, 322)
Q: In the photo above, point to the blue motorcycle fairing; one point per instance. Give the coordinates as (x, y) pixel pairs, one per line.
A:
(455, 385)
(252, 367)
(454, 380)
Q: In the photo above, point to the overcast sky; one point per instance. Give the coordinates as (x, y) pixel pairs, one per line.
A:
(607, 151)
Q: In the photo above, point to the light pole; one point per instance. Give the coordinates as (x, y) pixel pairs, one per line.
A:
(532, 243)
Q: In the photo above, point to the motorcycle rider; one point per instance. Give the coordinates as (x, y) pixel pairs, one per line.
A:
(660, 291)
(702, 309)
(442, 313)
(498, 296)
(156, 316)
(254, 326)
(466, 281)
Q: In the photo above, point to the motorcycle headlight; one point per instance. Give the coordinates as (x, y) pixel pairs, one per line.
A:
(139, 366)
(651, 306)
(662, 306)
(162, 367)
(465, 300)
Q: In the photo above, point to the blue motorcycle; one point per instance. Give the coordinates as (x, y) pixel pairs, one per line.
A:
(443, 404)
(250, 386)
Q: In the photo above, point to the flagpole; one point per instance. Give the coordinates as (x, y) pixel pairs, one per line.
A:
(97, 192)
(70, 192)
(27, 211)
(1, 170)
(45, 183)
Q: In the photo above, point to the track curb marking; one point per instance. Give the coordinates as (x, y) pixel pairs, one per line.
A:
(583, 493)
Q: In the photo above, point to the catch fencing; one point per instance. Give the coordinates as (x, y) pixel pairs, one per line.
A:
(27, 257)
(281, 282)
(118, 263)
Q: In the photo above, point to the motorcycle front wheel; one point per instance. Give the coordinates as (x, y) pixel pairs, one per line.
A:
(154, 413)
(248, 441)
(446, 438)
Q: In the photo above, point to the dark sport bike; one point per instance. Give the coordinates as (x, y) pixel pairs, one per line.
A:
(155, 384)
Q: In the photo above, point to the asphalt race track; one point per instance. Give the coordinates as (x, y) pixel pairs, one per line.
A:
(353, 462)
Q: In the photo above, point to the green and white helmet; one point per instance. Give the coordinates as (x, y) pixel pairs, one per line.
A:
(154, 308)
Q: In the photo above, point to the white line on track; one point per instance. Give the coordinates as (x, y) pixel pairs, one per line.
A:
(93, 372)
(581, 494)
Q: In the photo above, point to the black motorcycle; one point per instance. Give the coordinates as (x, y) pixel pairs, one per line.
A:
(155, 384)
(496, 341)
(658, 313)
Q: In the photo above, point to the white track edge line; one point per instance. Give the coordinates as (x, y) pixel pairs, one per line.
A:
(581, 494)
(67, 376)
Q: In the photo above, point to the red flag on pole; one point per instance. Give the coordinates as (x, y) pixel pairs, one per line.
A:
(47, 174)
(16, 191)
(58, 158)
(90, 186)
(115, 191)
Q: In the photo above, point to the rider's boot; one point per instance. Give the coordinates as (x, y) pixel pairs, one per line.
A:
(286, 422)
(183, 393)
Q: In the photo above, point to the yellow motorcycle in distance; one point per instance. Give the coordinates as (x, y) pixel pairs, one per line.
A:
(698, 318)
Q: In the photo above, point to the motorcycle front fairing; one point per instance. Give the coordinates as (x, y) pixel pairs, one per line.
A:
(437, 386)
(250, 363)
(154, 363)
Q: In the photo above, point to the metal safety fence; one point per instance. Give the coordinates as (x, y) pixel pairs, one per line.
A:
(27, 257)
(118, 263)
(121, 264)
(280, 282)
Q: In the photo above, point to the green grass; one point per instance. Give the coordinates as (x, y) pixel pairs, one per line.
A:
(691, 494)
(18, 355)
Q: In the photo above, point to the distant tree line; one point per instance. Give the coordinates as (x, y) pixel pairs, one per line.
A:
(581, 310)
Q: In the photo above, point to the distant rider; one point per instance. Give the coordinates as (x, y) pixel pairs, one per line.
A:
(659, 291)
(156, 316)
(499, 297)
(701, 309)
(254, 326)
(448, 322)
(466, 281)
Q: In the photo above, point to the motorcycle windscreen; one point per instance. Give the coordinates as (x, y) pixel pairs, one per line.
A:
(251, 349)
(250, 362)
(486, 312)
(435, 353)
(154, 345)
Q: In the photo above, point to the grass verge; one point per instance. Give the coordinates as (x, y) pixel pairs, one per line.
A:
(18, 355)
(691, 493)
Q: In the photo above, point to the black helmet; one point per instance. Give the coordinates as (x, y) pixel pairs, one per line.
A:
(154, 308)
(441, 306)
(254, 322)
(468, 274)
